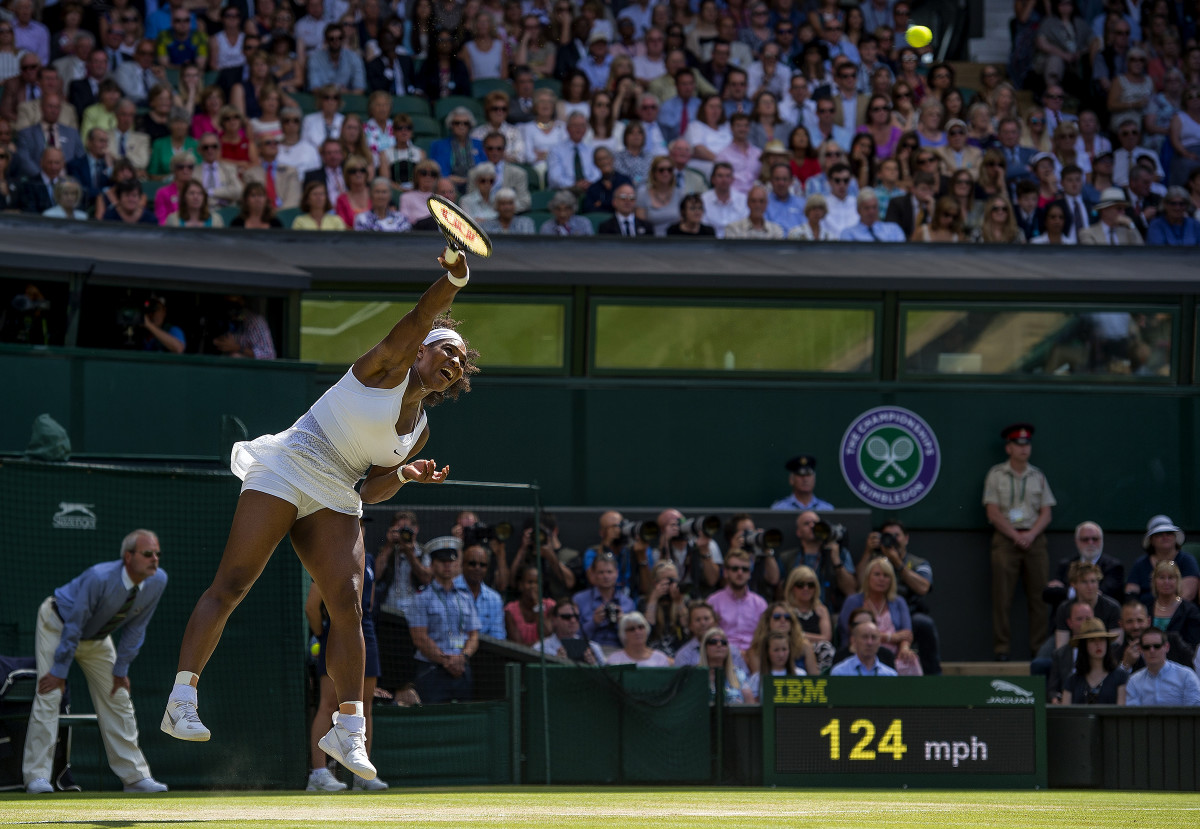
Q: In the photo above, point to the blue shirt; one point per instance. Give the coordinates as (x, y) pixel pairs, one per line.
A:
(854, 667)
(448, 617)
(792, 502)
(625, 570)
(489, 606)
(1174, 685)
(785, 213)
(878, 232)
(87, 602)
(604, 633)
(1163, 233)
(348, 73)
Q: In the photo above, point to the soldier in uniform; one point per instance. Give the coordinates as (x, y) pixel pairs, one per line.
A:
(1018, 499)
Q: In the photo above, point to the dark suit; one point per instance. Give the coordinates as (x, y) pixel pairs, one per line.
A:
(598, 197)
(381, 75)
(31, 141)
(35, 195)
(1139, 216)
(518, 114)
(901, 211)
(1112, 582)
(1017, 168)
(428, 80)
(81, 170)
(80, 94)
(1030, 225)
(613, 228)
(231, 76)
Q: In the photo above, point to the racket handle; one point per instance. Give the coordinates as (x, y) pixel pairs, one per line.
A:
(450, 255)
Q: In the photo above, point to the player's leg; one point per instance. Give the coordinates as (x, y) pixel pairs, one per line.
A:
(259, 524)
(330, 548)
(319, 778)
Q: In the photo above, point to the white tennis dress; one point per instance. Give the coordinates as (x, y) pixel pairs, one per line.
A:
(334, 444)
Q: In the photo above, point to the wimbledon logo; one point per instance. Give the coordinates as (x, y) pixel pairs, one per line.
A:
(890, 457)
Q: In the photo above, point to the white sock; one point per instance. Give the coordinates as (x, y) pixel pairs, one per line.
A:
(354, 723)
(183, 692)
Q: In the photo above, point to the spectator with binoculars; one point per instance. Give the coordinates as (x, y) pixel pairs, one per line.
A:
(821, 550)
(914, 580)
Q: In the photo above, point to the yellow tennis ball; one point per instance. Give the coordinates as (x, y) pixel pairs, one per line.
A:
(918, 36)
(316, 648)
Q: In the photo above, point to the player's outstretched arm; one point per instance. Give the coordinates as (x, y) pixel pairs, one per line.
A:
(385, 365)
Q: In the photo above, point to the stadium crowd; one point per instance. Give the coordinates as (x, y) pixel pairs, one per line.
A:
(739, 119)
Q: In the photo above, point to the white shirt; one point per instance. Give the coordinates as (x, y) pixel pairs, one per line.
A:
(1073, 202)
(842, 213)
(718, 214)
(312, 128)
(300, 155)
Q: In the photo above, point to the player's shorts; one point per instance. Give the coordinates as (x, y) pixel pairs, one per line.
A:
(261, 479)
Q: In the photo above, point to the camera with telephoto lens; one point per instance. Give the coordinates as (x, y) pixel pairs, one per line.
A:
(826, 532)
(758, 542)
(406, 535)
(480, 533)
(647, 531)
(612, 612)
(889, 541)
(707, 526)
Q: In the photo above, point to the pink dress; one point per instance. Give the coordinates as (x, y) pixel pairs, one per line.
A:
(527, 632)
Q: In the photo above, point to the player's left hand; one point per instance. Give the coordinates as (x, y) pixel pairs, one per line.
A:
(119, 682)
(426, 472)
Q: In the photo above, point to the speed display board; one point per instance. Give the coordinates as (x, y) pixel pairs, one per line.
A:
(924, 731)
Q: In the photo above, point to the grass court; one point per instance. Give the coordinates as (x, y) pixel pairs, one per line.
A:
(567, 808)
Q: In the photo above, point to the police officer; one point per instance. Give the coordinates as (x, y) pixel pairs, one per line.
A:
(445, 628)
(1018, 499)
(802, 477)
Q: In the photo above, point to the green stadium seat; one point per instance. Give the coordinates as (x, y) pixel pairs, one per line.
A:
(597, 219)
(411, 104)
(540, 199)
(424, 143)
(482, 87)
(354, 103)
(423, 125)
(442, 108)
(535, 177)
(151, 188)
(228, 214)
(305, 100)
(287, 215)
(210, 78)
(172, 77)
(553, 84)
(538, 217)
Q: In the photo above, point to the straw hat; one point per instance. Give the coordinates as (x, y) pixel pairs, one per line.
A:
(1161, 524)
(1092, 629)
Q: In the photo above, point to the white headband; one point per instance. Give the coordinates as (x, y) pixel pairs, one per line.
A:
(445, 334)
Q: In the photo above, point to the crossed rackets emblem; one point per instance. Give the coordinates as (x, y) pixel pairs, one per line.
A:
(890, 454)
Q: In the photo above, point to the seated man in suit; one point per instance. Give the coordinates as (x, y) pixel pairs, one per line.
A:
(508, 174)
(623, 222)
(1114, 227)
(37, 190)
(911, 210)
(220, 178)
(30, 112)
(391, 71)
(127, 142)
(86, 91)
(571, 165)
(1016, 157)
(49, 133)
(91, 168)
(330, 172)
(281, 181)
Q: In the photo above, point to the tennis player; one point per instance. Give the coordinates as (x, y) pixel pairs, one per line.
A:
(371, 424)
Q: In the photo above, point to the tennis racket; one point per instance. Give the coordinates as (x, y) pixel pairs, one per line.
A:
(460, 230)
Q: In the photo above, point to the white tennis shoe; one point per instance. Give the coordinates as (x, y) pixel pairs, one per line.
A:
(182, 721)
(349, 748)
(39, 786)
(374, 785)
(322, 780)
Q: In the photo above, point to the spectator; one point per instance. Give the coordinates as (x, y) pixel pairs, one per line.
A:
(1130, 152)
(235, 141)
(282, 182)
(392, 70)
(567, 642)
(402, 567)
(478, 200)
(544, 131)
(946, 225)
(1131, 90)
(1089, 542)
(330, 173)
(90, 170)
(708, 133)
(1170, 612)
(784, 208)
(1161, 682)
(166, 200)
(29, 112)
(864, 645)
(658, 198)
(182, 43)
(381, 216)
(1016, 157)
(413, 203)
(317, 211)
(737, 605)
(1064, 42)
(103, 113)
(310, 28)
(75, 624)
(871, 229)
(523, 617)
(841, 203)
(998, 226)
(1092, 142)
(777, 657)
(294, 151)
(624, 222)
(677, 113)
(138, 76)
(507, 221)
(724, 676)
(1114, 227)
(755, 225)
(914, 581)
(779, 618)
(564, 221)
(742, 156)
(357, 197)
(665, 606)
(571, 165)
(827, 131)
(443, 73)
(208, 115)
(246, 334)
(634, 631)
(220, 178)
(1084, 579)
(766, 125)
(828, 154)
(1134, 620)
(335, 66)
(1019, 516)
(163, 150)
(445, 629)
(815, 228)
(67, 196)
(912, 212)
(1184, 136)
(687, 180)
(798, 107)
(32, 140)
(122, 170)
(691, 215)
(1144, 204)
(1096, 679)
(879, 595)
(576, 92)
(601, 606)
(257, 212)
(1055, 226)
(802, 595)
(1076, 207)
(36, 193)
(722, 204)
(485, 55)
(495, 108)
(1175, 228)
(28, 34)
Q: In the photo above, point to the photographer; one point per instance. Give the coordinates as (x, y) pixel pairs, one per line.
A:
(665, 608)
(401, 570)
(741, 535)
(246, 334)
(629, 551)
(558, 580)
(158, 335)
(914, 580)
(601, 606)
(696, 558)
(821, 549)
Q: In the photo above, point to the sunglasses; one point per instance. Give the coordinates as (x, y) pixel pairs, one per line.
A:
(880, 109)
(1156, 647)
(1086, 538)
(295, 121)
(151, 553)
(993, 164)
(738, 568)
(999, 209)
(500, 108)
(775, 617)
(957, 132)
(209, 147)
(355, 171)
(824, 111)
(635, 626)
(724, 643)
(841, 180)
(803, 584)
(426, 173)
(460, 123)
(492, 149)
(926, 160)
(662, 169)
(185, 166)
(568, 616)
(953, 215)
(474, 564)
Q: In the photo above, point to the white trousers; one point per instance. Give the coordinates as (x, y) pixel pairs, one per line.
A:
(118, 726)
